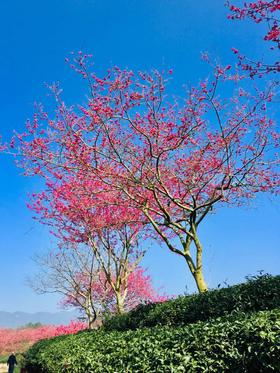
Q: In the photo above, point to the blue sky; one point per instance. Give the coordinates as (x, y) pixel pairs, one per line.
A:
(35, 37)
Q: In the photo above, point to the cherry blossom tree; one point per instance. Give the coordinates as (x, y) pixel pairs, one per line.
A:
(77, 275)
(106, 235)
(139, 290)
(260, 12)
(130, 150)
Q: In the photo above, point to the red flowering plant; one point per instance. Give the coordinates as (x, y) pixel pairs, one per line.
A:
(77, 275)
(21, 339)
(139, 290)
(259, 12)
(131, 154)
(102, 246)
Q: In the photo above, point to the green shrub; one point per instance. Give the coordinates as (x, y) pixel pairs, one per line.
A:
(234, 343)
(3, 359)
(257, 294)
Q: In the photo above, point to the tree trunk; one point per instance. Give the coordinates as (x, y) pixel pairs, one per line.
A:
(197, 266)
(120, 303)
(91, 322)
(197, 273)
(200, 282)
(91, 317)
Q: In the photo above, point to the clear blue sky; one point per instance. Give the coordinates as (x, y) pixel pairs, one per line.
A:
(35, 37)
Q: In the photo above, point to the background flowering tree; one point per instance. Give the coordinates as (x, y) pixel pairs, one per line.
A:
(260, 12)
(139, 290)
(77, 275)
(106, 235)
(169, 162)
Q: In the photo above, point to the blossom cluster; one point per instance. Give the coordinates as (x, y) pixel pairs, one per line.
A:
(260, 12)
(21, 339)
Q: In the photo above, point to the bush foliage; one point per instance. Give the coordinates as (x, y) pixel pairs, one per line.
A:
(234, 343)
(259, 293)
(235, 329)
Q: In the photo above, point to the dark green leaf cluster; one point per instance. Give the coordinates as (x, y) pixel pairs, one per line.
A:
(259, 293)
(235, 343)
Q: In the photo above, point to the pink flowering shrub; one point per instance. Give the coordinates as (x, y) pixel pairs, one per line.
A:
(20, 339)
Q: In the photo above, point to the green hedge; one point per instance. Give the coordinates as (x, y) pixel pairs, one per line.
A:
(257, 294)
(235, 343)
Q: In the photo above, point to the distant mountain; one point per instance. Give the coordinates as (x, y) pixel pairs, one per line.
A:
(17, 319)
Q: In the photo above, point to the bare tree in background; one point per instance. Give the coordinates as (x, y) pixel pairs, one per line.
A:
(102, 277)
(73, 274)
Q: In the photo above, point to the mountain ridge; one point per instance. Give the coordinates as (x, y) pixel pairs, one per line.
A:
(20, 318)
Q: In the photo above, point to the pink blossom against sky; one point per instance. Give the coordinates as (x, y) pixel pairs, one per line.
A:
(35, 38)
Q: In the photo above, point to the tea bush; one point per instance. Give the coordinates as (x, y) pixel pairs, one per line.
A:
(257, 294)
(234, 343)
